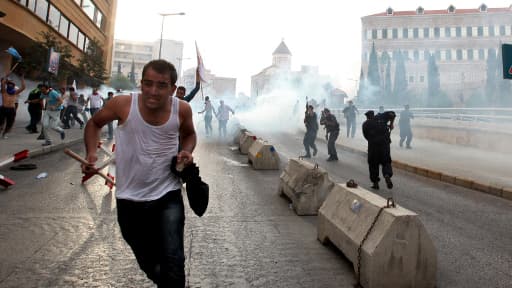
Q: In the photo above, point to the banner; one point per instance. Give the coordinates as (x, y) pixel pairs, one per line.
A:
(53, 62)
(200, 66)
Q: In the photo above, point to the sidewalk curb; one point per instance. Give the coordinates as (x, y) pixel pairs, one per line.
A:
(53, 148)
(503, 192)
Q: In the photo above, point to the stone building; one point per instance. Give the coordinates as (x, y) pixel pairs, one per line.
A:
(460, 40)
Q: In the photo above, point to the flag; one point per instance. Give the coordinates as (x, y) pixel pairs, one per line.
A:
(53, 62)
(200, 66)
(14, 53)
(74, 84)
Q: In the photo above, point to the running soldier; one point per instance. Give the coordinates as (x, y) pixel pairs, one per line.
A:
(311, 122)
(332, 130)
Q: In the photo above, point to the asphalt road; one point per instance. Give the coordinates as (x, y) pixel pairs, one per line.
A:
(55, 232)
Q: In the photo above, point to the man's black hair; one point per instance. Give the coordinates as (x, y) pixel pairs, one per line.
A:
(162, 67)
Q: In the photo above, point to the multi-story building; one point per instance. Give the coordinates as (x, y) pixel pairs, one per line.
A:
(128, 53)
(216, 87)
(460, 39)
(73, 22)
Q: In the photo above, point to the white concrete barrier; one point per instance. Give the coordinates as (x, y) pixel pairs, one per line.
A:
(237, 135)
(263, 156)
(246, 141)
(306, 185)
(397, 252)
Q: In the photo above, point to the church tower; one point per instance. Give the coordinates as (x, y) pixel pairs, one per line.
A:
(282, 57)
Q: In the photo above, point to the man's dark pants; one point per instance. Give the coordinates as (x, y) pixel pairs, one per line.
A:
(331, 144)
(309, 140)
(35, 118)
(379, 155)
(154, 231)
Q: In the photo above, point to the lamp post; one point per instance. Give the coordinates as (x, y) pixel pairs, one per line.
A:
(162, 30)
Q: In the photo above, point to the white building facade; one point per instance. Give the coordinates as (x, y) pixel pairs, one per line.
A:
(460, 39)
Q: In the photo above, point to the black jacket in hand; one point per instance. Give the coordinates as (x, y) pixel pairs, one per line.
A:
(197, 190)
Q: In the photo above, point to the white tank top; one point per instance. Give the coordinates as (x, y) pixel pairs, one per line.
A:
(143, 155)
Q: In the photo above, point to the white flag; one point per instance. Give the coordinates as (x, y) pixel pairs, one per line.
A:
(200, 66)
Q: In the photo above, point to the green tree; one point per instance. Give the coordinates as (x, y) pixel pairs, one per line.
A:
(35, 62)
(400, 83)
(373, 69)
(92, 65)
(121, 82)
(132, 73)
(434, 85)
(491, 83)
(388, 93)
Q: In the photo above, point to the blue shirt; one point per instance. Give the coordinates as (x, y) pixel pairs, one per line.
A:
(52, 99)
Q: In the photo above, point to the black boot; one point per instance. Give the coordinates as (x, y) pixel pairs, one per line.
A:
(375, 185)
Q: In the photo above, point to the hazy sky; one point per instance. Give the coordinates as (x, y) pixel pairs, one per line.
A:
(237, 37)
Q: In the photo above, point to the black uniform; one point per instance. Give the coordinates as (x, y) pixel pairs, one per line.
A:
(378, 134)
(332, 128)
(311, 122)
(34, 109)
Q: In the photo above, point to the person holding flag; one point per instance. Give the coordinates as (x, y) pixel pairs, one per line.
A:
(181, 90)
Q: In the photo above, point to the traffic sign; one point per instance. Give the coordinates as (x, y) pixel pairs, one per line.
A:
(506, 52)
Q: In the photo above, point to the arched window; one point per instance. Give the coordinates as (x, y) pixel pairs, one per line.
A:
(389, 11)
(420, 10)
(451, 9)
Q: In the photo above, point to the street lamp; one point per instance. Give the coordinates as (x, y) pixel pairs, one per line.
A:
(162, 30)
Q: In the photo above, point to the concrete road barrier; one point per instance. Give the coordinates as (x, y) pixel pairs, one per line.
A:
(246, 141)
(237, 135)
(263, 156)
(306, 185)
(397, 252)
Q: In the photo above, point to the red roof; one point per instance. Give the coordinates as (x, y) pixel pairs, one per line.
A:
(444, 12)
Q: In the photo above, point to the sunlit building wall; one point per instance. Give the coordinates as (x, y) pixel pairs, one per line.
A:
(74, 22)
(460, 39)
(137, 53)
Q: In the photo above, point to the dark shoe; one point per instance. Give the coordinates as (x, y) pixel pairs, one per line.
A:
(47, 143)
(66, 127)
(388, 182)
(28, 129)
(62, 135)
(375, 185)
(314, 152)
(332, 159)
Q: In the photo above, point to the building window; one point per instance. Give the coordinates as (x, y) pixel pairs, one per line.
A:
(483, 8)
(88, 8)
(469, 31)
(73, 33)
(451, 9)
(426, 32)
(31, 5)
(99, 19)
(480, 31)
(459, 54)
(405, 33)
(81, 41)
(502, 30)
(448, 32)
(86, 44)
(42, 9)
(389, 11)
(384, 33)
(54, 17)
(416, 54)
(395, 33)
(481, 54)
(420, 11)
(438, 55)
(415, 33)
(422, 78)
(470, 54)
(64, 26)
(411, 79)
(458, 32)
(374, 33)
(437, 32)
(448, 55)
